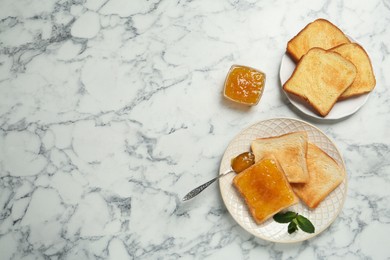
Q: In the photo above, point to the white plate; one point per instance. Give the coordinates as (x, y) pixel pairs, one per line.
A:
(270, 230)
(340, 110)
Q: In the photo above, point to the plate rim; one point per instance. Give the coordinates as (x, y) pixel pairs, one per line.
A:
(313, 113)
(309, 236)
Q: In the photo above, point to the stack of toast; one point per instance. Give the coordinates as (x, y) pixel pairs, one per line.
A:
(300, 169)
(329, 66)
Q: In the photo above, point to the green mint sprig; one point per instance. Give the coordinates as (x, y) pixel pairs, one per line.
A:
(295, 220)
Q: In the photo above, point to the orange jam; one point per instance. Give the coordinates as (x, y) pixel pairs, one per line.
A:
(265, 189)
(243, 161)
(244, 85)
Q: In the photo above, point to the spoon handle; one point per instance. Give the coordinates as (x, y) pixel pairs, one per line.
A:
(199, 189)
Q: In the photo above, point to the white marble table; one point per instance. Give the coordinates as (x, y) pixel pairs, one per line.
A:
(110, 111)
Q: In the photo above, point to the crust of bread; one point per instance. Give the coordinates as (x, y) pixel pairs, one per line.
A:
(320, 78)
(365, 79)
(270, 198)
(319, 33)
(325, 176)
(289, 149)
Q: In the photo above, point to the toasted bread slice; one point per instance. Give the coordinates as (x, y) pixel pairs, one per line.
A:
(265, 189)
(290, 150)
(320, 33)
(320, 78)
(325, 176)
(365, 79)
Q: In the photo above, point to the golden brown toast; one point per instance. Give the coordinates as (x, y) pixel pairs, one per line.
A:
(320, 78)
(265, 189)
(365, 79)
(320, 33)
(325, 176)
(289, 149)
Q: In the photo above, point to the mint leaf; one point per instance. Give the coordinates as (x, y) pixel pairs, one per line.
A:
(285, 217)
(305, 224)
(295, 220)
(292, 227)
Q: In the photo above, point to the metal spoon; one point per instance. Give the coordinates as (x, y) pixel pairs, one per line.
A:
(239, 163)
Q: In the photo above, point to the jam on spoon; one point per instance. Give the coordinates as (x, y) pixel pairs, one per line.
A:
(242, 161)
(238, 164)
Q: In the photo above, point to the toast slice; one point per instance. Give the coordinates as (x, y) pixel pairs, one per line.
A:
(320, 78)
(320, 33)
(365, 79)
(325, 176)
(290, 150)
(265, 189)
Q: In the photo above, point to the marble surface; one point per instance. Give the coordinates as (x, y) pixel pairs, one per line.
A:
(111, 110)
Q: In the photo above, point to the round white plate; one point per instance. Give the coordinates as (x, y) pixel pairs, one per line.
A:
(270, 230)
(340, 110)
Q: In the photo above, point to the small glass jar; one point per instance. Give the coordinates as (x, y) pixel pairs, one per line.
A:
(244, 85)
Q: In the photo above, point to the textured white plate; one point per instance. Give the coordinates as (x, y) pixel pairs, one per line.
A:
(321, 217)
(340, 110)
